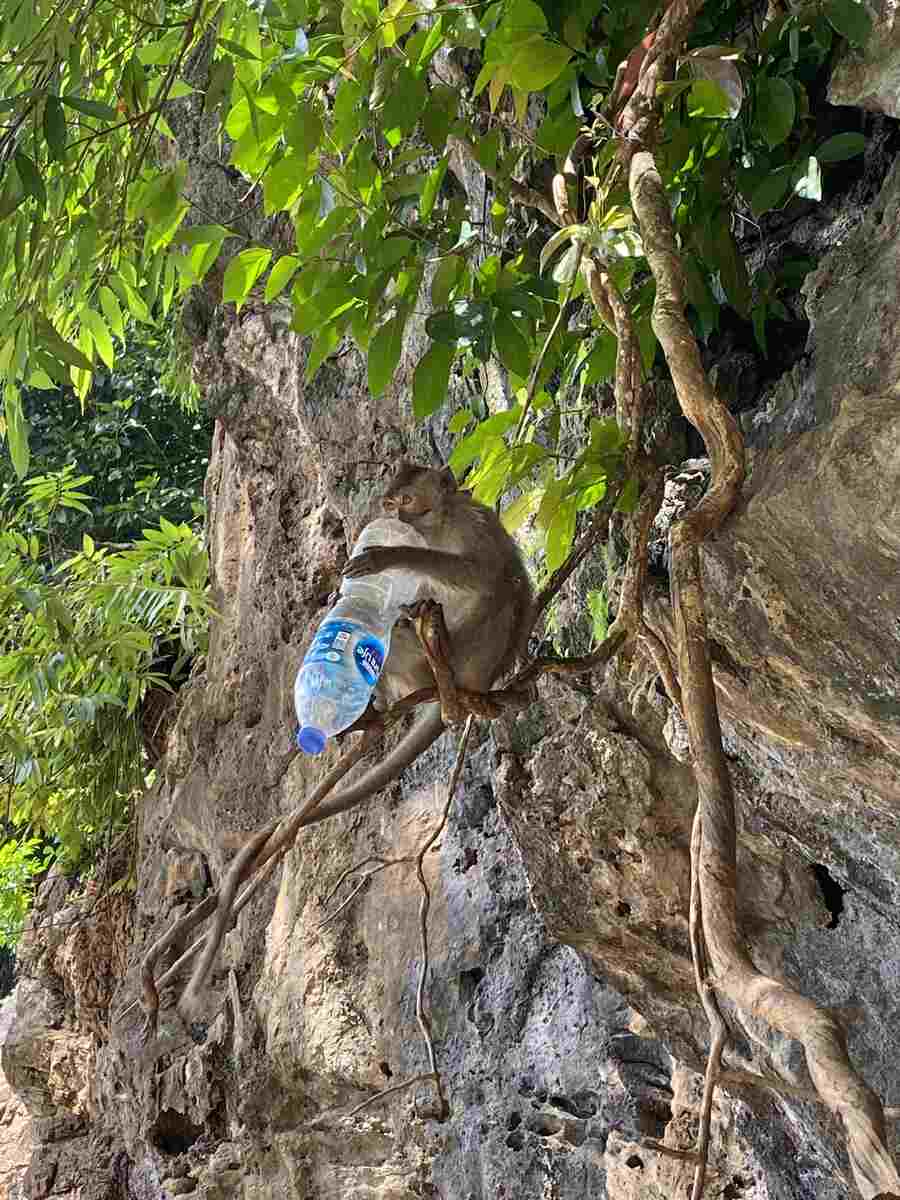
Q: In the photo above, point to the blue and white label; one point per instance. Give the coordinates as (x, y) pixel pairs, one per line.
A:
(369, 656)
(330, 642)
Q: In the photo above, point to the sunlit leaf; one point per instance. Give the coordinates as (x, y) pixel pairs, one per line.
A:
(100, 335)
(242, 273)
(16, 431)
(281, 275)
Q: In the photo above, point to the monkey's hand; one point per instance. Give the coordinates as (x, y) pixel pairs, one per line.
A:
(373, 560)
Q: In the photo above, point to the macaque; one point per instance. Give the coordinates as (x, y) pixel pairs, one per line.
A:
(473, 568)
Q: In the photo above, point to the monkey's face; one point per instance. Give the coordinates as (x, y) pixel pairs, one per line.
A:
(418, 495)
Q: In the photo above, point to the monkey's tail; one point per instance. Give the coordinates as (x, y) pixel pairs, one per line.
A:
(425, 732)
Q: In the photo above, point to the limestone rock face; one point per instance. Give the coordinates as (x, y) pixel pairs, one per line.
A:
(561, 996)
(15, 1120)
(870, 78)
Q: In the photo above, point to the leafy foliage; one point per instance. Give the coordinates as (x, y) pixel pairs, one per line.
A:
(77, 655)
(21, 862)
(145, 452)
(333, 111)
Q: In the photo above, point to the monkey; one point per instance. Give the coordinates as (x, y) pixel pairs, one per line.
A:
(473, 568)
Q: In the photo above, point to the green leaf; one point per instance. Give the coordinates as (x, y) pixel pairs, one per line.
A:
(707, 99)
(303, 131)
(511, 345)
(535, 63)
(405, 102)
(48, 337)
(55, 127)
(445, 279)
(112, 312)
(283, 183)
(850, 20)
(431, 188)
(31, 179)
(100, 335)
(464, 323)
(12, 193)
(460, 420)
(732, 268)
(601, 362)
(325, 343)
(242, 272)
(16, 431)
(474, 444)
(840, 147)
(281, 275)
(384, 354)
(561, 533)
(218, 90)
(202, 235)
(559, 239)
(439, 114)
(775, 109)
(771, 192)
(430, 380)
(515, 514)
(606, 438)
(130, 297)
(90, 108)
(238, 50)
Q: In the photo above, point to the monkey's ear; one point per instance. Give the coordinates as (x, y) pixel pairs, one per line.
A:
(447, 480)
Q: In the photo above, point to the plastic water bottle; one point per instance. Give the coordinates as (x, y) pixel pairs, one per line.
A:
(342, 666)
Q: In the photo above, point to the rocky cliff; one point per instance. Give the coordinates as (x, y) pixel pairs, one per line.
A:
(568, 1032)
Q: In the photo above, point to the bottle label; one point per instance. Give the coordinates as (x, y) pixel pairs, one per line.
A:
(331, 642)
(369, 655)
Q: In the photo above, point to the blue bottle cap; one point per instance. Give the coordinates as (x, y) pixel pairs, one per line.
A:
(311, 740)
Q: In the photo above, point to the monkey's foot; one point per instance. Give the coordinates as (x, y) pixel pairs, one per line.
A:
(457, 702)
(427, 617)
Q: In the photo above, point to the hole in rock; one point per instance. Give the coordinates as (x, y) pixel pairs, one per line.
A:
(468, 983)
(634, 1161)
(173, 1133)
(832, 893)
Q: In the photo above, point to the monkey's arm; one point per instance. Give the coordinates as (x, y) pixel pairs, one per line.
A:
(452, 569)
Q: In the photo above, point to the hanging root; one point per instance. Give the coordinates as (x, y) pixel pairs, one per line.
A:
(732, 971)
